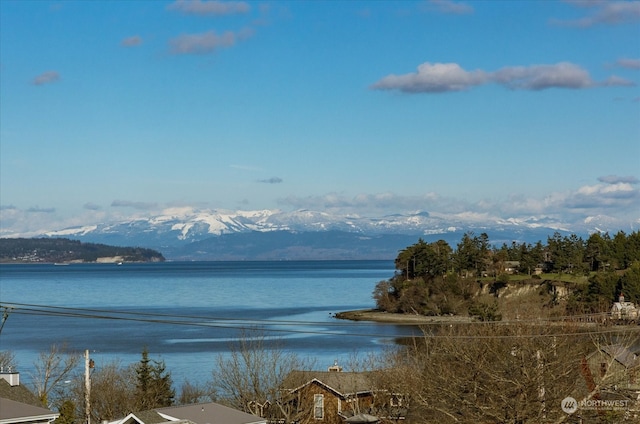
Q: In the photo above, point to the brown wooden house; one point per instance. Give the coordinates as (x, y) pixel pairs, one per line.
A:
(336, 397)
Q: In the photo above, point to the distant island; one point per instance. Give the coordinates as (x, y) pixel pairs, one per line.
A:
(65, 251)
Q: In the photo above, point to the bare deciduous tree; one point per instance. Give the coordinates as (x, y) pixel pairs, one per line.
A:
(112, 389)
(51, 369)
(7, 360)
(195, 393)
(249, 378)
(512, 373)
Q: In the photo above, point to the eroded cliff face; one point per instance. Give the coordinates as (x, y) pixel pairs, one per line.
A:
(109, 260)
(526, 299)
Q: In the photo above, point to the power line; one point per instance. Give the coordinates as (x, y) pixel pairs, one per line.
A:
(251, 324)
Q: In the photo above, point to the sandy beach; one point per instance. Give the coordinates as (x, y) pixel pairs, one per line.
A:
(409, 319)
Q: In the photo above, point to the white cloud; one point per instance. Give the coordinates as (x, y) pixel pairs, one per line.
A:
(214, 7)
(48, 77)
(614, 192)
(615, 199)
(540, 77)
(616, 81)
(207, 42)
(604, 13)
(433, 78)
(447, 77)
(628, 63)
(615, 179)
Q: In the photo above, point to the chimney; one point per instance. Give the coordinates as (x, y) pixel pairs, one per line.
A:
(11, 377)
(621, 298)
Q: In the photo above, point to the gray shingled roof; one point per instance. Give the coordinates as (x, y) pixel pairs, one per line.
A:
(19, 393)
(210, 413)
(14, 411)
(622, 355)
(150, 417)
(342, 383)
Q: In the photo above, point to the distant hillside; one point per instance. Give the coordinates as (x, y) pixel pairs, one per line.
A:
(62, 250)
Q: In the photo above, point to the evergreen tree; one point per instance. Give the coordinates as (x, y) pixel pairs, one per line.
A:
(472, 253)
(597, 251)
(67, 410)
(630, 283)
(153, 388)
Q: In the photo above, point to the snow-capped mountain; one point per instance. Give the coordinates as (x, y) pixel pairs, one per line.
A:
(303, 234)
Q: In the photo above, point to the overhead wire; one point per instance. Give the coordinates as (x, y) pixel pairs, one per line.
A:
(270, 325)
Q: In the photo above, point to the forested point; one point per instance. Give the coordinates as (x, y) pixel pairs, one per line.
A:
(62, 250)
(566, 276)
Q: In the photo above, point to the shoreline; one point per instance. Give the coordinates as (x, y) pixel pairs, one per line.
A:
(386, 317)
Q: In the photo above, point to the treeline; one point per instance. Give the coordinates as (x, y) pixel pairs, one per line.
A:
(435, 279)
(518, 373)
(26, 250)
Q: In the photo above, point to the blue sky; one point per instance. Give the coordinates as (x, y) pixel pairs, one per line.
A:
(493, 108)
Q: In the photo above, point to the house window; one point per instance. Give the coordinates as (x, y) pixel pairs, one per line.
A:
(318, 407)
(396, 400)
(603, 369)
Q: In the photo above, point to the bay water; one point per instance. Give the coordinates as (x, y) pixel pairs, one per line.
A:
(188, 313)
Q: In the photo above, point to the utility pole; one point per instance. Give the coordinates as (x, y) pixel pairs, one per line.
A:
(5, 315)
(88, 364)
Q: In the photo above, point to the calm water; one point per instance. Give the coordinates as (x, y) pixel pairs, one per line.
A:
(186, 313)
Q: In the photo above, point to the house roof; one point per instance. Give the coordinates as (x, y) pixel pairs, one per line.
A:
(209, 413)
(621, 354)
(201, 413)
(18, 393)
(341, 383)
(12, 411)
(143, 417)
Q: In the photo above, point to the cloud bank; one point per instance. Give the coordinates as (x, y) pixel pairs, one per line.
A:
(448, 77)
(612, 199)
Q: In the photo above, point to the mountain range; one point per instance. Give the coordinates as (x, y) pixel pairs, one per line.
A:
(190, 234)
